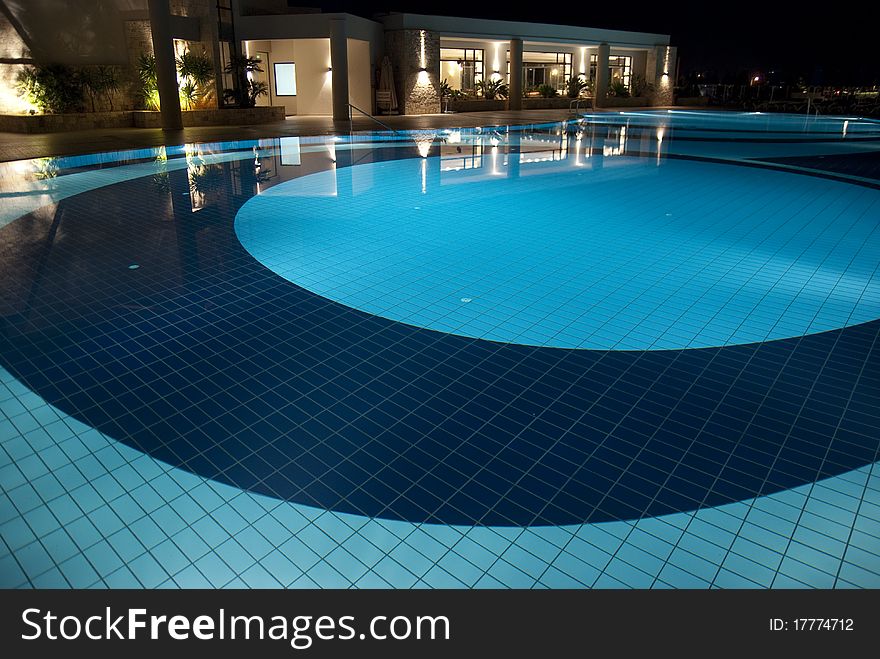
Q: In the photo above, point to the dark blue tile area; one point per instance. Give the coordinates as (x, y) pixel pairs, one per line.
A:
(866, 165)
(205, 359)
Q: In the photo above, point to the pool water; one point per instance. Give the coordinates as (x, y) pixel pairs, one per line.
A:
(634, 255)
(634, 349)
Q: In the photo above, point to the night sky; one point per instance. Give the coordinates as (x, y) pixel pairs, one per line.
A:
(722, 38)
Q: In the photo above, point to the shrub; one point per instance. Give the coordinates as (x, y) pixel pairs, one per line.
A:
(196, 74)
(448, 93)
(640, 86)
(617, 88)
(492, 89)
(99, 82)
(575, 85)
(247, 91)
(148, 90)
(547, 91)
(53, 88)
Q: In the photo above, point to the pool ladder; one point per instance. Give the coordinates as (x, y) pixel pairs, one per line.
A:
(352, 107)
(575, 106)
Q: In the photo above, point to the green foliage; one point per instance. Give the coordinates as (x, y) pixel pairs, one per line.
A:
(195, 80)
(576, 85)
(640, 86)
(448, 93)
(99, 82)
(618, 89)
(492, 89)
(547, 91)
(247, 91)
(190, 94)
(256, 88)
(196, 74)
(53, 88)
(149, 85)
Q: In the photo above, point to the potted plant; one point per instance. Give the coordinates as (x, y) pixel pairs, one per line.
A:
(576, 85)
(492, 89)
(247, 92)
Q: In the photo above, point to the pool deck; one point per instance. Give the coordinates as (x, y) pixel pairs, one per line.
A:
(18, 146)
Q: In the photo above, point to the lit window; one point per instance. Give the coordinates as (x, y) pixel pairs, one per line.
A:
(285, 79)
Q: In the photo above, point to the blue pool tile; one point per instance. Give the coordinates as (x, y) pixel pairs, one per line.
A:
(325, 576)
(170, 557)
(214, 569)
(190, 577)
(371, 580)
(676, 577)
(59, 545)
(347, 564)
(52, 578)
(16, 533)
(806, 573)
(630, 434)
(437, 577)
(394, 573)
(190, 543)
(11, 575)
(104, 558)
(149, 572)
(299, 554)
(256, 577)
(510, 576)
(78, 572)
(281, 568)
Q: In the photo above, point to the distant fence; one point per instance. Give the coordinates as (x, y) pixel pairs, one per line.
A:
(860, 101)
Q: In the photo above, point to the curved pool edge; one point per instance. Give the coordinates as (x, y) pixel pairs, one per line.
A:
(237, 538)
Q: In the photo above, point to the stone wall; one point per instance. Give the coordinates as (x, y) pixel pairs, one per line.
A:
(15, 55)
(476, 105)
(663, 59)
(215, 117)
(136, 36)
(418, 92)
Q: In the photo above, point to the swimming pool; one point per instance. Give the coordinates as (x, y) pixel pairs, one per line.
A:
(526, 335)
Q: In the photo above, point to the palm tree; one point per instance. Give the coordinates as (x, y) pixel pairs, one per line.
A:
(196, 71)
(248, 90)
(492, 89)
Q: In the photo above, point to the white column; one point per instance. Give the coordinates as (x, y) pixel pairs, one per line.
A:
(600, 92)
(339, 66)
(515, 90)
(166, 68)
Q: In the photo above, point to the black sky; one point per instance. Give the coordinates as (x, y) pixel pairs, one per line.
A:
(838, 43)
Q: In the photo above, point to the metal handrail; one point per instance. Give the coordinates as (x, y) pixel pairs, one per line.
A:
(575, 105)
(366, 114)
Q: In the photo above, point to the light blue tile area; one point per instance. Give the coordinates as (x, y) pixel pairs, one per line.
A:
(859, 576)
(99, 513)
(676, 577)
(635, 291)
(805, 573)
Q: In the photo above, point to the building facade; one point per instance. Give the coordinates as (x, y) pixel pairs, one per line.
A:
(313, 63)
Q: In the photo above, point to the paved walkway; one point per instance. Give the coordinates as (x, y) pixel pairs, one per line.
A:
(16, 146)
